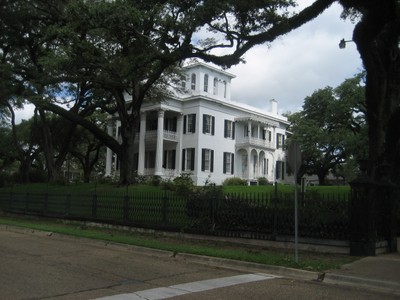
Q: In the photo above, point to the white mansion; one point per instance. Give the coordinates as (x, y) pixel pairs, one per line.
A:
(204, 133)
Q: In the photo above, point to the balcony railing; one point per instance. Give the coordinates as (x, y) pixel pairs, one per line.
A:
(167, 135)
(256, 142)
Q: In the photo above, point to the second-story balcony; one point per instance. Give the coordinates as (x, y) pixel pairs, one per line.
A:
(254, 142)
(167, 135)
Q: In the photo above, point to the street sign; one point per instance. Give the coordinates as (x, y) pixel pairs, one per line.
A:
(294, 160)
(294, 156)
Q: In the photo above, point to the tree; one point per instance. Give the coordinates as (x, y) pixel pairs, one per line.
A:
(330, 128)
(129, 48)
(377, 35)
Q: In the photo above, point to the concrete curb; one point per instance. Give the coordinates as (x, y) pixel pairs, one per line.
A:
(382, 285)
(250, 267)
(328, 277)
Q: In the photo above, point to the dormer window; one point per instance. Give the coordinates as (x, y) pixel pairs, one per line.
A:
(193, 82)
(206, 82)
(224, 89)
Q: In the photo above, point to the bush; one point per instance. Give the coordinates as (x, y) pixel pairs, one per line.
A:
(154, 180)
(234, 181)
(263, 181)
(183, 185)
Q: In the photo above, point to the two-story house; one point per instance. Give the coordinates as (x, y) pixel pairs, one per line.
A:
(203, 132)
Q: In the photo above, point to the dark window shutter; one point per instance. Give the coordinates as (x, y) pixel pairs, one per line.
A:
(212, 161)
(192, 160)
(174, 122)
(277, 170)
(203, 159)
(233, 130)
(194, 123)
(225, 128)
(283, 141)
(184, 123)
(212, 125)
(164, 163)
(183, 159)
(277, 141)
(233, 164)
(204, 123)
(173, 159)
(224, 161)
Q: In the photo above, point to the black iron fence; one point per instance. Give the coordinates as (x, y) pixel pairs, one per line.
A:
(261, 216)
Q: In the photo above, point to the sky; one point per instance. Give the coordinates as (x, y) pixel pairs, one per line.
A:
(297, 64)
(294, 66)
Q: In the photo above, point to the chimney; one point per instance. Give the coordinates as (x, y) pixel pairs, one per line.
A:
(274, 106)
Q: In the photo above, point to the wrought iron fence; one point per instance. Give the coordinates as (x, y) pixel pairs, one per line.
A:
(260, 216)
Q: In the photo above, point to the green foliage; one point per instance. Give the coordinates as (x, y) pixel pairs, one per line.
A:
(263, 181)
(234, 181)
(331, 128)
(183, 184)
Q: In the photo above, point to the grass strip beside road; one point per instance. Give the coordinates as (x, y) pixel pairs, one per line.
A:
(312, 261)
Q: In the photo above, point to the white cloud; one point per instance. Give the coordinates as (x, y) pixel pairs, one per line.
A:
(296, 65)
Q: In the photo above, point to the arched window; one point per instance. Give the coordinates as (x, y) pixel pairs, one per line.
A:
(215, 86)
(193, 82)
(206, 82)
(224, 89)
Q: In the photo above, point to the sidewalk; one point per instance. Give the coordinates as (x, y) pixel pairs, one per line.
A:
(380, 272)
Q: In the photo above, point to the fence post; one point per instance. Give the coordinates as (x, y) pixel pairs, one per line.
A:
(165, 203)
(68, 205)
(362, 214)
(46, 203)
(275, 213)
(94, 206)
(388, 208)
(27, 202)
(126, 208)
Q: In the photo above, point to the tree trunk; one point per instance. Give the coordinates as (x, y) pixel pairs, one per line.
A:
(376, 37)
(127, 155)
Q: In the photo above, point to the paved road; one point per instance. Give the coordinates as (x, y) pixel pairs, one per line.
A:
(37, 265)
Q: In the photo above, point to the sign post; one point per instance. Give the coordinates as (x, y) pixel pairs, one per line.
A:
(294, 160)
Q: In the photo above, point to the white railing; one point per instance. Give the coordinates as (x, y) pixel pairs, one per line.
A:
(252, 141)
(167, 135)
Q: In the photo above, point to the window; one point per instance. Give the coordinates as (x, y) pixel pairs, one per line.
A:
(224, 89)
(150, 159)
(183, 82)
(229, 129)
(228, 167)
(280, 170)
(280, 140)
(215, 91)
(207, 160)
(206, 82)
(245, 131)
(208, 124)
(269, 135)
(170, 124)
(169, 159)
(189, 123)
(188, 159)
(193, 82)
(254, 131)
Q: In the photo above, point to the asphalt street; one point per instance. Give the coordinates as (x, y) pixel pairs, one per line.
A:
(41, 265)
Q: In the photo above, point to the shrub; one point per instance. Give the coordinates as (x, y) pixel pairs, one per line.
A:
(183, 184)
(234, 181)
(154, 180)
(263, 181)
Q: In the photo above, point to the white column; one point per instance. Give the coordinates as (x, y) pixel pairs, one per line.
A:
(249, 164)
(142, 148)
(160, 140)
(178, 157)
(109, 155)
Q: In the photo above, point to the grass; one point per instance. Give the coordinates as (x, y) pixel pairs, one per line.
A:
(312, 261)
